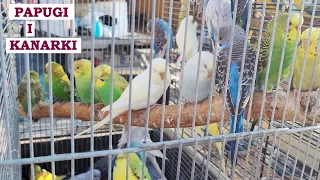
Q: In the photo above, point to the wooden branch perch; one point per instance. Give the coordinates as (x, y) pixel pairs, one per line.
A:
(82, 111)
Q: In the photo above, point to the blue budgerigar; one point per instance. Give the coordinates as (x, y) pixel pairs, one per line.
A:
(234, 76)
(136, 139)
(242, 12)
(161, 41)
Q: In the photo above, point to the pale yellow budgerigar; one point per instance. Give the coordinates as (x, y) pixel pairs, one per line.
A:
(192, 43)
(310, 60)
(140, 89)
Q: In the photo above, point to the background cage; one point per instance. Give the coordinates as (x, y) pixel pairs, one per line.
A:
(271, 150)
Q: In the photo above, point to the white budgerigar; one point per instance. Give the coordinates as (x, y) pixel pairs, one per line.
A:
(218, 12)
(140, 88)
(137, 137)
(190, 77)
(192, 43)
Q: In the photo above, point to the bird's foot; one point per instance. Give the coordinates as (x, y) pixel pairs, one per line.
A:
(61, 103)
(41, 104)
(151, 107)
(283, 86)
(186, 103)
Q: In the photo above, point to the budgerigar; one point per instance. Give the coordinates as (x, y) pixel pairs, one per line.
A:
(102, 89)
(134, 170)
(139, 96)
(137, 136)
(234, 76)
(36, 92)
(192, 44)
(87, 175)
(103, 72)
(42, 174)
(60, 83)
(189, 87)
(161, 41)
(277, 50)
(218, 12)
(310, 60)
(242, 12)
(213, 130)
(308, 8)
(190, 77)
(82, 74)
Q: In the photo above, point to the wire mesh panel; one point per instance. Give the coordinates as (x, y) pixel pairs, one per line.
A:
(228, 90)
(9, 146)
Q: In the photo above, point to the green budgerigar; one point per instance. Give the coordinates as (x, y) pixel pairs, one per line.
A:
(135, 168)
(82, 74)
(102, 86)
(277, 50)
(36, 92)
(103, 71)
(60, 82)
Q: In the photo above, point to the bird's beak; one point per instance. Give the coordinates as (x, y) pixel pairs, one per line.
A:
(162, 76)
(300, 43)
(209, 74)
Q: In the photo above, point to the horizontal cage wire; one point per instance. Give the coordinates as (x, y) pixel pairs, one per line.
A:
(269, 125)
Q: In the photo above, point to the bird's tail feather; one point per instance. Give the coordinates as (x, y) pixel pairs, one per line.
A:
(239, 128)
(106, 120)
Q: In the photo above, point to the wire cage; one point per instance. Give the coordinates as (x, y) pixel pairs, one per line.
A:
(274, 148)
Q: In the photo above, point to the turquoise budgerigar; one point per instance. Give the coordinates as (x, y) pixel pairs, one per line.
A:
(192, 43)
(234, 76)
(140, 89)
(137, 138)
(161, 41)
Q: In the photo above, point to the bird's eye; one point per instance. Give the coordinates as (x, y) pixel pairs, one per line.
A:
(78, 67)
(205, 66)
(220, 38)
(290, 23)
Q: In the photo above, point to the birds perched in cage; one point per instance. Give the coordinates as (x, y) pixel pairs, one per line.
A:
(87, 175)
(137, 138)
(42, 174)
(103, 72)
(308, 8)
(237, 109)
(140, 88)
(190, 77)
(36, 91)
(161, 39)
(192, 43)
(60, 83)
(82, 74)
(134, 170)
(311, 61)
(277, 50)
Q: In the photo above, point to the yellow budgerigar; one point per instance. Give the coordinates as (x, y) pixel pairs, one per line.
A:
(134, 170)
(103, 71)
(42, 174)
(213, 130)
(310, 60)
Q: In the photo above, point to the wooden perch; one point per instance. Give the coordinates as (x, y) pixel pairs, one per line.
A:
(82, 111)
